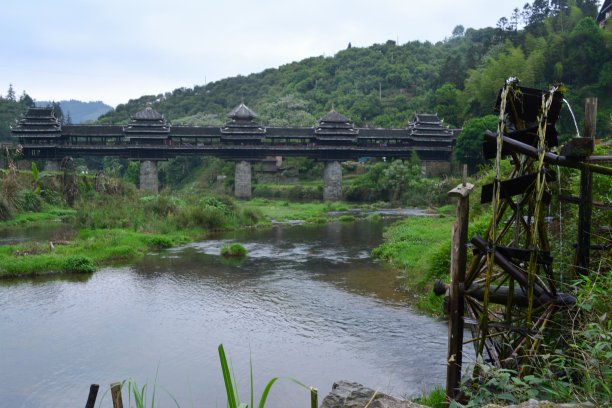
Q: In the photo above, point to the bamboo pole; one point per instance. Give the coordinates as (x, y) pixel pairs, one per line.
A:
(457, 272)
(585, 205)
(116, 395)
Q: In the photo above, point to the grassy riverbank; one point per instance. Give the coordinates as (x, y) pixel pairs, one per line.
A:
(114, 222)
(421, 248)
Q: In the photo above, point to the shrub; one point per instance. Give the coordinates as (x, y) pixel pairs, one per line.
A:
(79, 264)
(203, 217)
(233, 251)
(159, 242)
(5, 210)
(159, 205)
(29, 201)
(347, 218)
(251, 215)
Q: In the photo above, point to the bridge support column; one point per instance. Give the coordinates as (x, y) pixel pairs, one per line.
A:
(242, 180)
(148, 176)
(332, 181)
(52, 165)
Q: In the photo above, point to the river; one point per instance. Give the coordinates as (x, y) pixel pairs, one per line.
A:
(308, 302)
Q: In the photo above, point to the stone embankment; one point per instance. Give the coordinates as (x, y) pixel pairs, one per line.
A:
(346, 394)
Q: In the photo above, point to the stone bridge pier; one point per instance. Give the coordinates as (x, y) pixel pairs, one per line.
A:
(332, 181)
(148, 176)
(242, 180)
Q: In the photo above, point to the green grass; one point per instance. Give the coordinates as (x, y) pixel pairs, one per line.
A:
(89, 250)
(234, 250)
(49, 214)
(420, 246)
(436, 398)
(279, 210)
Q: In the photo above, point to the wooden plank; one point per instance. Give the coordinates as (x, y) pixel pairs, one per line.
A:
(578, 147)
(456, 299)
(93, 394)
(522, 254)
(527, 136)
(551, 158)
(116, 395)
(529, 101)
(585, 207)
(515, 186)
(507, 265)
(576, 200)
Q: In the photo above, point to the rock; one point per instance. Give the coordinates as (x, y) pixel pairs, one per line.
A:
(346, 394)
(543, 404)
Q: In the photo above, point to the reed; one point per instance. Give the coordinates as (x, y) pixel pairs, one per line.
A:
(231, 388)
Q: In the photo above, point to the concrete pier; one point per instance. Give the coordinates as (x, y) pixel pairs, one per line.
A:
(332, 181)
(148, 176)
(242, 180)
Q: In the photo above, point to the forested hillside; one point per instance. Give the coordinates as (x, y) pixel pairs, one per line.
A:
(385, 84)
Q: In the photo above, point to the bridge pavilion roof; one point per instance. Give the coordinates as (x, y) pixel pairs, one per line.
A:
(147, 124)
(242, 125)
(242, 113)
(429, 125)
(335, 125)
(38, 122)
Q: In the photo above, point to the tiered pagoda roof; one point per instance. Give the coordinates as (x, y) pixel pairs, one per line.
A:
(147, 124)
(242, 123)
(335, 126)
(37, 123)
(428, 125)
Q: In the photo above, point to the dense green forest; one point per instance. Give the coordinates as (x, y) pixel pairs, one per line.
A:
(384, 84)
(542, 43)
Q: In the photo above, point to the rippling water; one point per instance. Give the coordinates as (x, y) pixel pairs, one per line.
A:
(308, 303)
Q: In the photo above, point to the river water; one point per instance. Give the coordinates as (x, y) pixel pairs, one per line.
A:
(308, 302)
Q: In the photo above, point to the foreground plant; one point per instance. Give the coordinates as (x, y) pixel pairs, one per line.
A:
(231, 389)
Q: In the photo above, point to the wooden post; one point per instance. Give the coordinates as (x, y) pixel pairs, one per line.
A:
(456, 303)
(116, 395)
(93, 393)
(586, 195)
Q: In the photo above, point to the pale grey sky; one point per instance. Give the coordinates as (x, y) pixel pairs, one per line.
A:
(116, 50)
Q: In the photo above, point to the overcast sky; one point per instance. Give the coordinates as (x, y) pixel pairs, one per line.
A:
(116, 50)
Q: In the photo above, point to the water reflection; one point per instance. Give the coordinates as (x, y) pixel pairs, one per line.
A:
(307, 302)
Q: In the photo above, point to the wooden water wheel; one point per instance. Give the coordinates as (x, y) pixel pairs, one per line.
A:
(510, 292)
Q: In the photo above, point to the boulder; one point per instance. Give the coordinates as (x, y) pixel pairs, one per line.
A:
(347, 394)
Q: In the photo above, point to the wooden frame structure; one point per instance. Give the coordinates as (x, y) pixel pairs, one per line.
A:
(507, 296)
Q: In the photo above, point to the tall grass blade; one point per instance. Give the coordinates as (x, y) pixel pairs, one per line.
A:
(227, 379)
(314, 398)
(251, 375)
(266, 391)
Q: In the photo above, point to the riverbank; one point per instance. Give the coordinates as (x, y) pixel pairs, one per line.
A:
(122, 227)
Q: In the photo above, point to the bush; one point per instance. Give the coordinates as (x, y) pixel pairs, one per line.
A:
(79, 264)
(159, 205)
(202, 217)
(159, 242)
(29, 201)
(251, 215)
(5, 210)
(347, 218)
(233, 251)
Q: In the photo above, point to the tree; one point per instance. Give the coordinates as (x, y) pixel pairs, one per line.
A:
(468, 148)
(26, 100)
(10, 94)
(458, 31)
(446, 99)
(587, 53)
